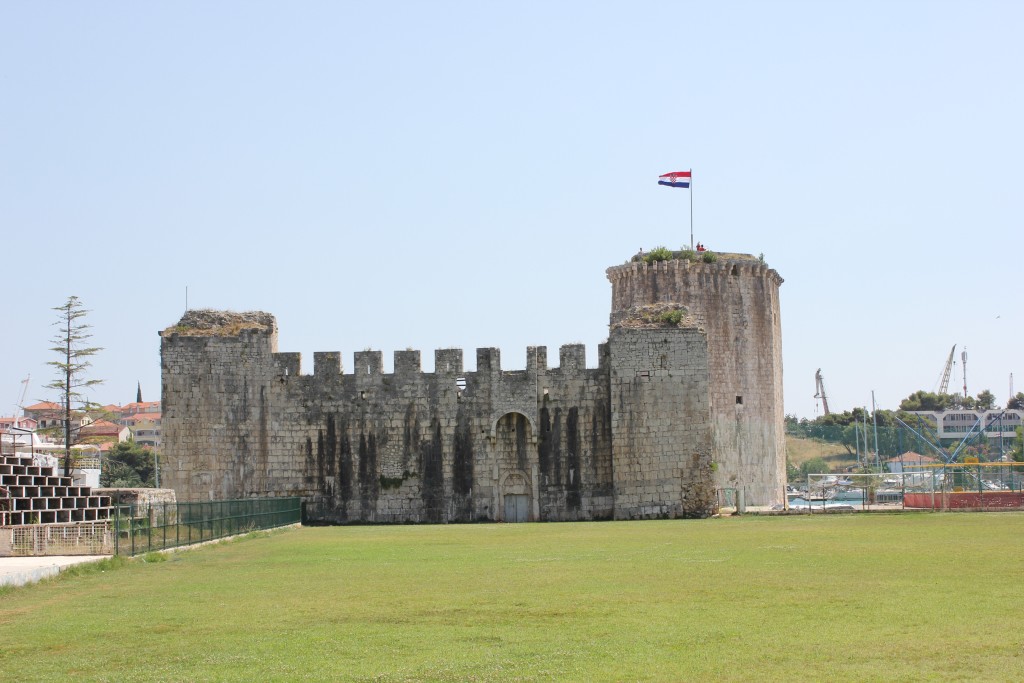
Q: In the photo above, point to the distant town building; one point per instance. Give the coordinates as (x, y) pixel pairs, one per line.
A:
(140, 407)
(145, 428)
(40, 428)
(956, 424)
(104, 434)
(48, 415)
(909, 461)
(15, 431)
(16, 423)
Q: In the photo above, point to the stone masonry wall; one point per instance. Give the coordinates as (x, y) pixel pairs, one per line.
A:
(217, 421)
(241, 420)
(736, 302)
(661, 423)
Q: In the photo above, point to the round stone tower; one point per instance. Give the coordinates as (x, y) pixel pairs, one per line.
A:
(735, 301)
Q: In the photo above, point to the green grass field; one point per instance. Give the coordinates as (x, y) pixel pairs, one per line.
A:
(835, 598)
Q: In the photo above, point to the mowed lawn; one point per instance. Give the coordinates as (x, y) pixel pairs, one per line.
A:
(825, 598)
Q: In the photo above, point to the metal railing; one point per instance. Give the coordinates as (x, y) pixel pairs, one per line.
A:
(143, 528)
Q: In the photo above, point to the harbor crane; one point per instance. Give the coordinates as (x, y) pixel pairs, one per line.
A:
(944, 382)
(819, 390)
(24, 390)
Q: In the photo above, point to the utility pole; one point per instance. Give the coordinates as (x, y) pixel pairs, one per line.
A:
(963, 357)
(874, 419)
(856, 441)
(865, 421)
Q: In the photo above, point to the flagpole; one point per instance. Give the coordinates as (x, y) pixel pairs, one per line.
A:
(691, 209)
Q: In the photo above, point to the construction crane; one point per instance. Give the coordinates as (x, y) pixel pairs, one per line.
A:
(819, 390)
(24, 390)
(944, 383)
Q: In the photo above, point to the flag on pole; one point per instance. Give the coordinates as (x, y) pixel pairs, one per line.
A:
(675, 179)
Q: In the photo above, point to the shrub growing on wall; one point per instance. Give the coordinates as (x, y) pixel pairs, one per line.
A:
(671, 317)
(658, 254)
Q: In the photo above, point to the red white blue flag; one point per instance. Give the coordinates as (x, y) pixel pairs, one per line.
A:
(675, 179)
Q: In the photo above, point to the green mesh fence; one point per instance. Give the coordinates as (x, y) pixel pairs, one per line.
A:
(142, 528)
(893, 441)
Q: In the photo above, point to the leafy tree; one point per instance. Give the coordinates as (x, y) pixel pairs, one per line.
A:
(924, 400)
(1017, 402)
(792, 471)
(838, 419)
(128, 465)
(884, 418)
(815, 466)
(986, 400)
(69, 344)
(1018, 445)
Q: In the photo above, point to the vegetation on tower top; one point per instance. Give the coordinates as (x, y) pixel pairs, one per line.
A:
(653, 316)
(687, 254)
(210, 323)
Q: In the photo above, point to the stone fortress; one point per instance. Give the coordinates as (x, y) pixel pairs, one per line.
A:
(686, 398)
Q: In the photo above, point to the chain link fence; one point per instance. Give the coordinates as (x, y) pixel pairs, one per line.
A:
(872, 445)
(952, 486)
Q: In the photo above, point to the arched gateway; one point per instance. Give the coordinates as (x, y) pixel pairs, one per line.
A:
(515, 458)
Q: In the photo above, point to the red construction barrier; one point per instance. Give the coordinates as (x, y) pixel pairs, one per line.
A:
(966, 500)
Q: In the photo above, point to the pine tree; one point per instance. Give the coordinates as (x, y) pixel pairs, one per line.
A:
(69, 344)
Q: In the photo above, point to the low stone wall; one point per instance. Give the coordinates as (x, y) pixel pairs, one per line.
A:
(141, 497)
(156, 503)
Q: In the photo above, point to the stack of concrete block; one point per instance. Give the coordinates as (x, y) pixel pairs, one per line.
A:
(35, 494)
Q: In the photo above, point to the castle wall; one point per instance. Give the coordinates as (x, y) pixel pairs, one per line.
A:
(241, 420)
(736, 302)
(669, 413)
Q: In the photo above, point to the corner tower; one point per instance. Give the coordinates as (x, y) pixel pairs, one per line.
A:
(735, 301)
(217, 369)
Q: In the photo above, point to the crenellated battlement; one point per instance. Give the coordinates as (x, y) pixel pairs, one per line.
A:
(741, 265)
(259, 330)
(407, 363)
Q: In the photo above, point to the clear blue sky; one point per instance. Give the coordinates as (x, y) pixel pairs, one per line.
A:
(427, 175)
